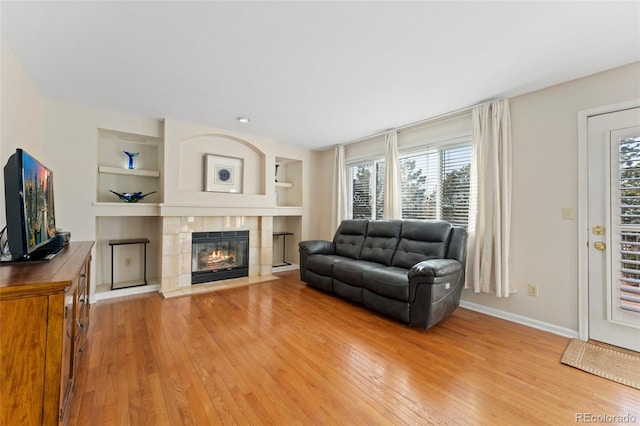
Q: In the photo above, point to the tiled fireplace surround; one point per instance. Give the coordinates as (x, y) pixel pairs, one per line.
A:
(176, 250)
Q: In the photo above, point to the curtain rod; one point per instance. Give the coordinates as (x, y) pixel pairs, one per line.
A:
(420, 122)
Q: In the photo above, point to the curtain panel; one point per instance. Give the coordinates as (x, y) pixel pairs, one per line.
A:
(488, 257)
(392, 191)
(339, 192)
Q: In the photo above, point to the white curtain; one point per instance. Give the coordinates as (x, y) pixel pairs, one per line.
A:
(339, 193)
(392, 198)
(488, 262)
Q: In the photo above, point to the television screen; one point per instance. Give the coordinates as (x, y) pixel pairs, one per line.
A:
(29, 205)
(38, 202)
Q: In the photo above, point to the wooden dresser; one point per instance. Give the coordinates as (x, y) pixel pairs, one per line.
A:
(44, 317)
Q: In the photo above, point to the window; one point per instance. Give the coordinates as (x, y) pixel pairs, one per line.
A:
(366, 190)
(456, 184)
(435, 184)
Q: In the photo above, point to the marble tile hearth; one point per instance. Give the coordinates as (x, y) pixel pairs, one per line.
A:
(176, 251)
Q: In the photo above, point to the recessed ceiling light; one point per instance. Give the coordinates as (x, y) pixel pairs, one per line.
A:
(243, 120)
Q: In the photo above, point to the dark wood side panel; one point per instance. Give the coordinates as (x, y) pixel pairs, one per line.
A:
(23, 324)
(39, 308)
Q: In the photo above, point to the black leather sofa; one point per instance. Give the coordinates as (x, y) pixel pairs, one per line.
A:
(410, 270)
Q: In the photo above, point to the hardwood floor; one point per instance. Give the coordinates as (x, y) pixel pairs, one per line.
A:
(281, 353)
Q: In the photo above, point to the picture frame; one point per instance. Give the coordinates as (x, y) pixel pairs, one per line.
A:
(223, 174)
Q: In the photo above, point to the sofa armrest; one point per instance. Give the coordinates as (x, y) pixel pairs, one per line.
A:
(435, 268)
(435, 286)
(316, 247)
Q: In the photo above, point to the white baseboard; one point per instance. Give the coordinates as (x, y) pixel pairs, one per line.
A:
(291, 267)
(519, 319)
(125, 292)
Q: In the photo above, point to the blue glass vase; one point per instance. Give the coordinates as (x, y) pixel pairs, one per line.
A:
(131, 156)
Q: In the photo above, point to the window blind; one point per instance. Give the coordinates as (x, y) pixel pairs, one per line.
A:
(379, 199)
(435, 184)
(361, 193)
(629, 255)
(456, 184)
(419, 186)
(366, 190)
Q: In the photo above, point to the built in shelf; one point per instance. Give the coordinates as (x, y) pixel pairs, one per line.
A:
(128, 172)
(288, 211)
(101, 208)
(126, 209)
(284, 185)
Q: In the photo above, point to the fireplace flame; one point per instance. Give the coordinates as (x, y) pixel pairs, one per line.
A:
(218, 256)
(216, 259)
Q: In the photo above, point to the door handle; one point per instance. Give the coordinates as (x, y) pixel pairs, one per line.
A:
(599, 245)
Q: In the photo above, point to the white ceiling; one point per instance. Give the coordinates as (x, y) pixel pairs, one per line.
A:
(311, 74)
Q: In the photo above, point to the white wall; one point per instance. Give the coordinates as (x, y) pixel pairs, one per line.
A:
(545, 179)
(61, 136)
(545, 169)
(71, 148)
(435, 131)
(185, 147)
(21, 112)
(320, 203)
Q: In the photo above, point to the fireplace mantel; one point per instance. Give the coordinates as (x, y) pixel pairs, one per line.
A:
(164, 209)
(176, 248)
(276, 181)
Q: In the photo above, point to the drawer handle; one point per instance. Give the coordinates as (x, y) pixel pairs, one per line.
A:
(83, 324)
(83, 275)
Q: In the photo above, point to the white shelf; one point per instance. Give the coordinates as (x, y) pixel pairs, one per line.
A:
(159, 209)
(128, 172)
(284, 185)
(126, 209)
(289, 185)
(288, 211)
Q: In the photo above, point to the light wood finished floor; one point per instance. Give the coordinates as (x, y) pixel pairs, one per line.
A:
(282, 353)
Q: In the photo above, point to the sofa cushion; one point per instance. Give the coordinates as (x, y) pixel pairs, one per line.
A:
(347, 291)
(389, 282)
(393, 308)
(381, 241)
(419, 242)
(350, 237)
(350, 271)
(323, 263)
(319, 281)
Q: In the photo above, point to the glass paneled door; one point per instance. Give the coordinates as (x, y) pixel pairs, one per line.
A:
(614, 228)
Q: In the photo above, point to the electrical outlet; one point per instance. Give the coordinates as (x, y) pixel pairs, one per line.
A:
(568, 213)
(533, 290)
(127, 261)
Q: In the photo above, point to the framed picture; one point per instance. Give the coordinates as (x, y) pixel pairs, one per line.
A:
(222, 174)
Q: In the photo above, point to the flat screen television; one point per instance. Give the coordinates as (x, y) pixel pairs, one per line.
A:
(30, 210)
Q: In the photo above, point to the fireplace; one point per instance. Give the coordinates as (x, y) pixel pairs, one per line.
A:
(219, 256)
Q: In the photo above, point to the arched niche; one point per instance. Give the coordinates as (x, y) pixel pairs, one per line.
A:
(194, 149)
